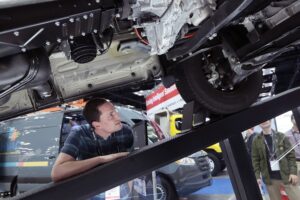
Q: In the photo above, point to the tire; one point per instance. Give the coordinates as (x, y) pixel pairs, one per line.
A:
(193, 85)
(165, 189)
(223, 166)
(214, 164)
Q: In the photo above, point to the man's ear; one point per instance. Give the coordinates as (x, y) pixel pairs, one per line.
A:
(96, 124)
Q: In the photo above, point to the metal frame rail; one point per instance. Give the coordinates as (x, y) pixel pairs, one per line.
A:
(157, 155)
(239, 168)
(235, 154)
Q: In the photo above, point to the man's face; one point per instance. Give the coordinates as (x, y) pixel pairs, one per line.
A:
(109, 121)
(293, 121)
(265, 125)
(250, 131)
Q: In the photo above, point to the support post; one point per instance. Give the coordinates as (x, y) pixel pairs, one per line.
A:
(239, 168)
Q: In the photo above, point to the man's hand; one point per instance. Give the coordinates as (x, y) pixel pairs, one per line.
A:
(111, 157)
(66, 166)
(120, 155)
(259, 182)
(293, 179)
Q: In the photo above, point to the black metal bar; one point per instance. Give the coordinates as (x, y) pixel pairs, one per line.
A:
(159, 154)
(223, 15)
(26, 15)
(51, 22)
(267, 39)
(296, 113)
(239, 168)
(187, 120)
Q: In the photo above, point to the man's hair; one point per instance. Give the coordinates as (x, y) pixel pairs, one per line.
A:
(91, 110)
(292, 117)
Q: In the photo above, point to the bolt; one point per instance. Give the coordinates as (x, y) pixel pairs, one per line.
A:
(143, 34)
(89, 4)
(16, 33)
(118, 15)
(46, 94)
(57, 23)
(48, 43)
(212, 36)
(58, 40)
(95, 30)
(91, 15)
(233, 59)
(85, 16)
(190, 53)
(71, 20)
(97, 1)
(23, 49)
(83, 33)
(71, 37)
(174, 59)
(181, 5)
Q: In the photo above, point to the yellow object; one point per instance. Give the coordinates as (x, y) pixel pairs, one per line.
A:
(173, 118)
(216, 147)
(35, 164)
(177, 118)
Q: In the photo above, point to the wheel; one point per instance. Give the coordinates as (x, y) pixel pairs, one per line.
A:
(214, 164)
(165, 189)
(196, 80)
(223, 166)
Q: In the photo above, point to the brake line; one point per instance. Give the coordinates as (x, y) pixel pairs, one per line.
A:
(140, 37)
(33, 69)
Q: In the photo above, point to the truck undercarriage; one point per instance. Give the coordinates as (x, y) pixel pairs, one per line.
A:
(213, 50)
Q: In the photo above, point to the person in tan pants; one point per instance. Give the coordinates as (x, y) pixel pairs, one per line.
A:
(274, 163)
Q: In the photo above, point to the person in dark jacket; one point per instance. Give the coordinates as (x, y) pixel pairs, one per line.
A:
(249, 139)
(274, 162)
(250, 135)
(294, 136)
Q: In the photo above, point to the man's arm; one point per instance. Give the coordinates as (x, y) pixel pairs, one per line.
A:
(291, 158)
(66, 166)
(255, 158)
(256, 161)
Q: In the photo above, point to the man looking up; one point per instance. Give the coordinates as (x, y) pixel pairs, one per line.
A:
(103, 140)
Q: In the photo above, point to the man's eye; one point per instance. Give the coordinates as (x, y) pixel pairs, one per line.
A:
(111, 115)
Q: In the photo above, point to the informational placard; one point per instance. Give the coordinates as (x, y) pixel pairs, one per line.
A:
(113, 194)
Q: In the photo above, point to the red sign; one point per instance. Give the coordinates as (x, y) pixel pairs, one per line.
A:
(160, 95)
